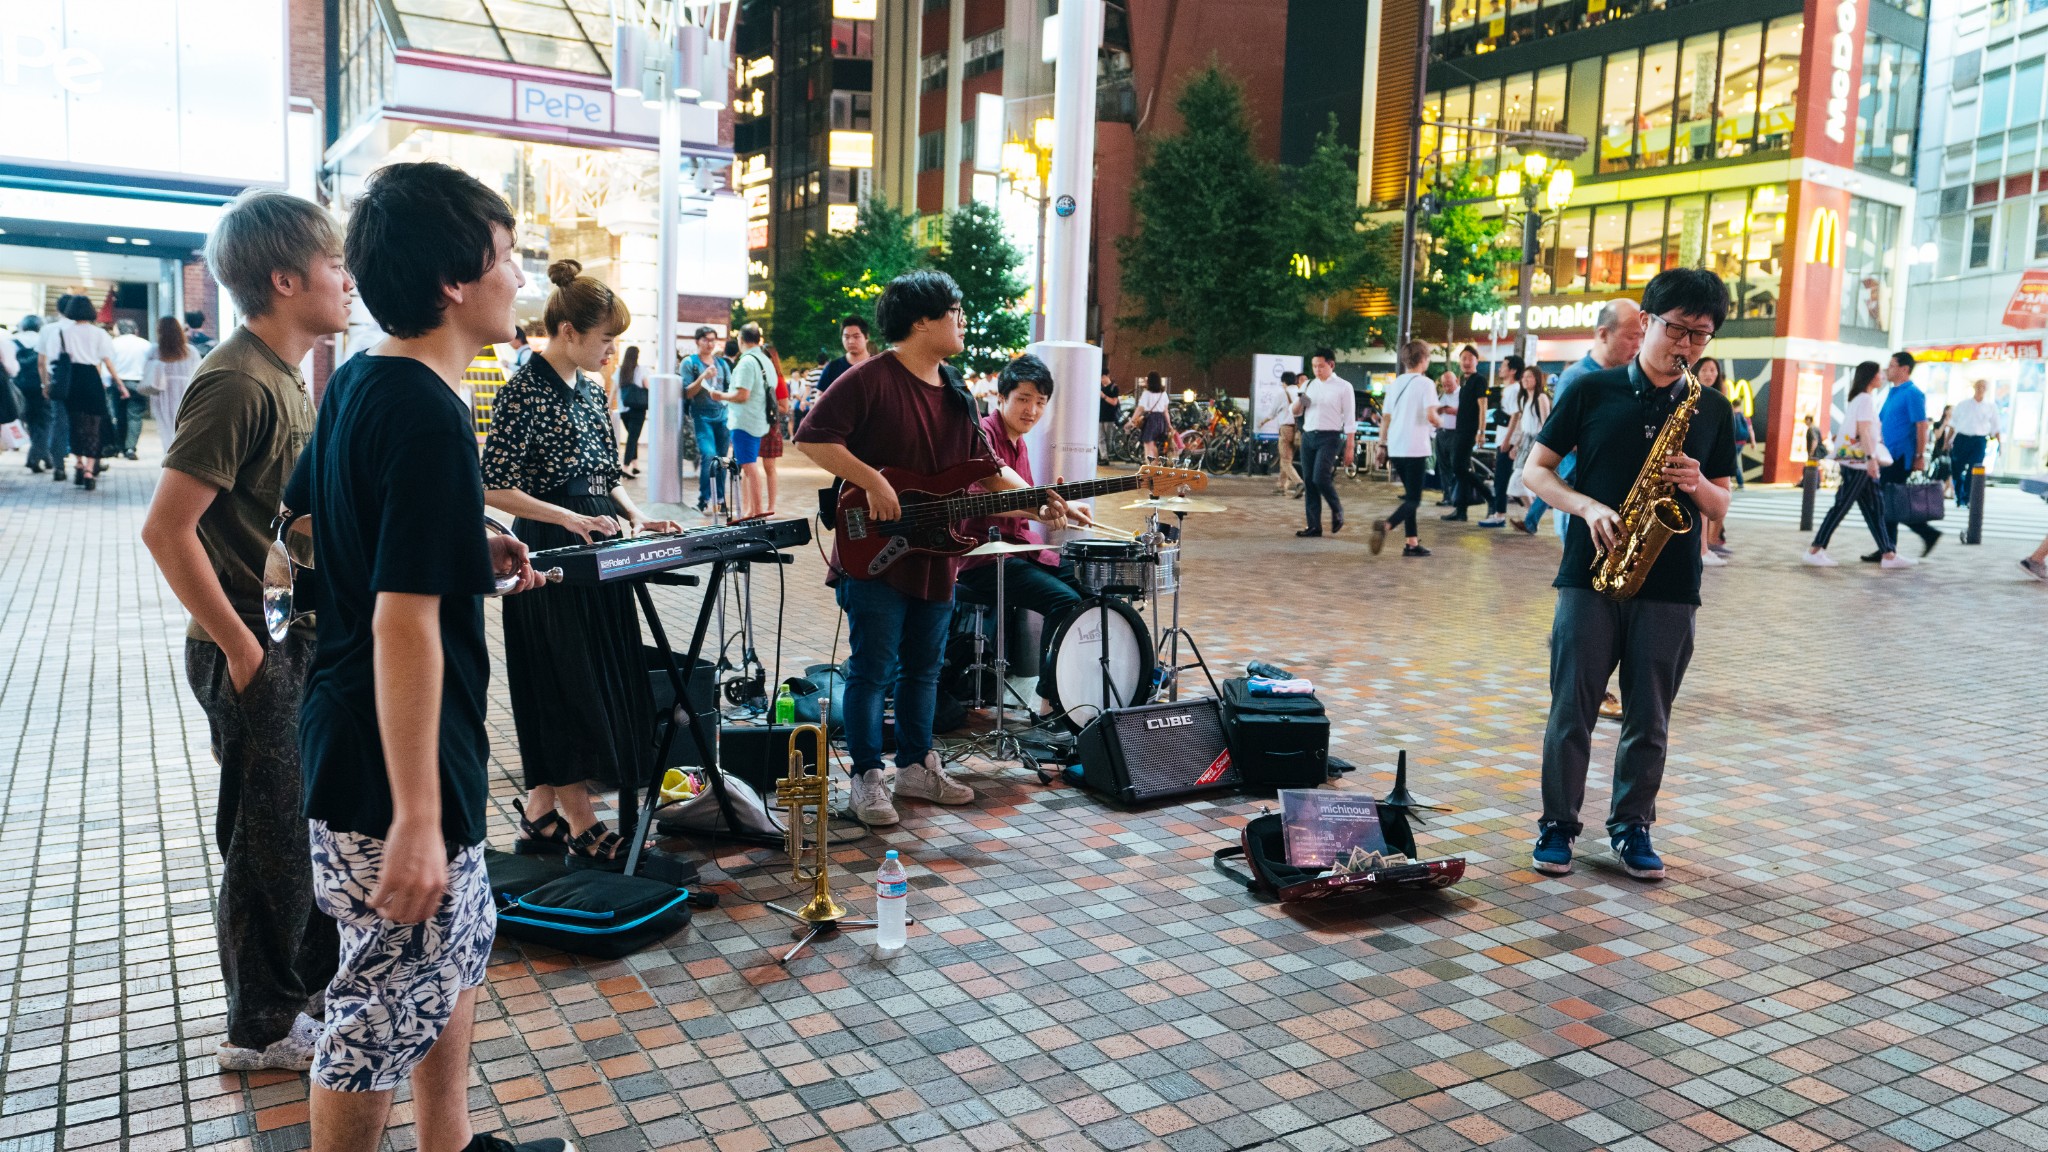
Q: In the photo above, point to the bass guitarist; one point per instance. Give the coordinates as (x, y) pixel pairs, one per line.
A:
(902, 409)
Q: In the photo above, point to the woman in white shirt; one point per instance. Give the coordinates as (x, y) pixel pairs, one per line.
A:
(1531, 408)
(1861, 453)
(1149, 419)
(1975, 422)
(89, 350)
(1290, 478)
(165, 373)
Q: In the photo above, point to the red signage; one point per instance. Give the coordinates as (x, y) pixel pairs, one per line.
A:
(1830, 68)
(2001, 350)
(2028, 307)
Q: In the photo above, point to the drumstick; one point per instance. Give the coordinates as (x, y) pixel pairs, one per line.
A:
(1106, 530)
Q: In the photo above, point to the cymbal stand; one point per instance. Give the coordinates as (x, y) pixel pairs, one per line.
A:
(1169, 640)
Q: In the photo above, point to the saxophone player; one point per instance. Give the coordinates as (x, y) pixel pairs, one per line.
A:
(1612, 418)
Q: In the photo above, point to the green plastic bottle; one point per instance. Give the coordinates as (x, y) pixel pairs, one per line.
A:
(785, 706)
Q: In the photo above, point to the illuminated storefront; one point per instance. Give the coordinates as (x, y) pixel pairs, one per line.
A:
(1768, 140)
(520, 97)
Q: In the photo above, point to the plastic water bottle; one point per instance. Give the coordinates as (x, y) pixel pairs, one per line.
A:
(785, 706)
(892, 898)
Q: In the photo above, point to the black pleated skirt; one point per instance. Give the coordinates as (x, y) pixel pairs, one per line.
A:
(581, 701)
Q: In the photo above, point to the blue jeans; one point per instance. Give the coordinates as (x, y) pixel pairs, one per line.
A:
(1965, 454)
(893, 641)
(712, 443)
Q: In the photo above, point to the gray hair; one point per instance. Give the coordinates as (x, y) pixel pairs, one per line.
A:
(263, 232)
(125, 327)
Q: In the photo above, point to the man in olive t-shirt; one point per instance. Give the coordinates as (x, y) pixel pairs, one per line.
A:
(242, 422)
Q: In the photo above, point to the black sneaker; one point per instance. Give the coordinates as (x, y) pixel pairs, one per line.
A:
(1871, 557)
(57, 474)
(1306, 532)
(482, 1143)
(1459, 515)
(1413, 550)
(1928, 544)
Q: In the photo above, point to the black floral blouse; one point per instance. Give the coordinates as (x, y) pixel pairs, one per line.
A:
(545, 433)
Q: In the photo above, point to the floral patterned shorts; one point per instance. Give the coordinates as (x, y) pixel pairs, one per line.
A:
(397, 986)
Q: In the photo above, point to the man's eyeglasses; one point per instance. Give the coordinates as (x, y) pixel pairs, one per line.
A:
(1680, 334)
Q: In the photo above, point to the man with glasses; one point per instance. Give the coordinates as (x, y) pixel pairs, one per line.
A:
(1610, 418)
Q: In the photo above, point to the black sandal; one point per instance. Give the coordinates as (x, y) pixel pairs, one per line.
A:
(548, 836)
(598, 847)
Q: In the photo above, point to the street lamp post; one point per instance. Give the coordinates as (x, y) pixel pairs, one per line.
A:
(1554, 194)
(1032, 160)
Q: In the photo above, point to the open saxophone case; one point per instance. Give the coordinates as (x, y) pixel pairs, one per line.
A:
(1269, 874)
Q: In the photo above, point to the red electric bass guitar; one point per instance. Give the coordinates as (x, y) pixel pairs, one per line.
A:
(935, 506)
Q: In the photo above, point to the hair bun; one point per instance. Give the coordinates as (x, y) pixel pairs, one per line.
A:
(564, 272)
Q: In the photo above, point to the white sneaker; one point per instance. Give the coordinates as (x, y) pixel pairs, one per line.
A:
(1819, 560)
(1896, 561)
(1709, 560)
(291, 1054)
(307, 1030)
(928, 781)
(871, 803)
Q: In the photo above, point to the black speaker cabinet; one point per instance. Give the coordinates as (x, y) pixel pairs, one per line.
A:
(700, 683)
(1155, 751)
(759, 754)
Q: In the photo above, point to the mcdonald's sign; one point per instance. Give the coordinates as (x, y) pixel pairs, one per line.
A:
(1824, 244)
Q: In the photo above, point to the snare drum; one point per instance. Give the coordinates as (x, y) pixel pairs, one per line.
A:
(1110, 567)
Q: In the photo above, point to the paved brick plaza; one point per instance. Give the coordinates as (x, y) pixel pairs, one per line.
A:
(1846, 954)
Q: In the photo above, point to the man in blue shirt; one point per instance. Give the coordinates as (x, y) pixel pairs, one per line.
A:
(705, 372)
(1617, 336)
(1903, 424)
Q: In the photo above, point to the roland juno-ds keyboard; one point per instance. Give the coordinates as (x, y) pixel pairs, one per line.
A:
(609, 560)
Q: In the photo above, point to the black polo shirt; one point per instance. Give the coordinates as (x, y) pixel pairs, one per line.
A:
(1471, 394)
(1610, 418)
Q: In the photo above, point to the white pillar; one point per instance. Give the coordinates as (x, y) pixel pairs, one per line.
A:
(1067, 447)
(664, 392)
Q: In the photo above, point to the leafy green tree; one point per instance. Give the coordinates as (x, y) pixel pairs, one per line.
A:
(840, 275)
(1339, 254)
(980, 258)
(1206, 268)
(1462, 253)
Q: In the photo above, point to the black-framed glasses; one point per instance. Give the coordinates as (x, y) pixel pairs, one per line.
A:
(1680, 334)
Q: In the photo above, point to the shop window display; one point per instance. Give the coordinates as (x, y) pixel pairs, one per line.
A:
(1735, 115)
(1608, 224)
(1653, 116)
(1645, 242)
(1780, 84)
(1763, 249)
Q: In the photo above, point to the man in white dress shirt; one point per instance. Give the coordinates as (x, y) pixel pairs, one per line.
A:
(1976, 425)
(1328, 414)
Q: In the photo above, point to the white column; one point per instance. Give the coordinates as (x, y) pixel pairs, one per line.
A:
(1066, 448)
(664, 391)
(956, 64)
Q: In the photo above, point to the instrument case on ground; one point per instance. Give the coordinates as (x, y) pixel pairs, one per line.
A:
(598, 914)
(1264, 849)
(1276, 741)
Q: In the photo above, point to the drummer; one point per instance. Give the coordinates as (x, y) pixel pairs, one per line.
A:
(1040, 581)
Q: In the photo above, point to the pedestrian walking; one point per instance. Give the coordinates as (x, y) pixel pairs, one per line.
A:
(1902, 420)
(1862, 455)
(1532, 408)
(83, 365)
(1713, 546)
(853, 339)
(242, 423)
(778, 418)
(36, 407)
(1404, 442)
(1507, 412)
(1290, 434)
(1327, 411)
(1443, 421)
(705, 372)
(1975, 424)
(747, 405)
(195, 334)
(1149, 419)
(131, 356)
(1471, 423)
(1108, 402)
(632, 378)
(166, 375)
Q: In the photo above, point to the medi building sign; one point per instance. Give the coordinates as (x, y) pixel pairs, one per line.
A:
(174, 91)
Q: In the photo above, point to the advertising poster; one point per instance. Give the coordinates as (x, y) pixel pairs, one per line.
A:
(1268, 397)
(1809, 398)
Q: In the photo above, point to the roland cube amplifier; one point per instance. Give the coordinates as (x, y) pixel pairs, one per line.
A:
(1156, 751)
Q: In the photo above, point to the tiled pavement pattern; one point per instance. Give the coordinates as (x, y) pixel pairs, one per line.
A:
(1847, 953)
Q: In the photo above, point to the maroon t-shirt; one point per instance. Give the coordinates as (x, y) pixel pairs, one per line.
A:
(889, 418)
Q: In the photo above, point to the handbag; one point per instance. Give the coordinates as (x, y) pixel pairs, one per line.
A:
(1914, 501)
(12, 436)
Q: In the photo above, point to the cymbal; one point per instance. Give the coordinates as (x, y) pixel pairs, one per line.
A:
(1005, 547)
(1177, 504)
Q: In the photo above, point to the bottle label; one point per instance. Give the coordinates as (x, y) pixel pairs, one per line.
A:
(887, 890)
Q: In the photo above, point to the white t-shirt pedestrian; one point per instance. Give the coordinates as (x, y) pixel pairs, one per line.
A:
(1405, 428)
(1974, 418)
(1862, 410)
(131, 353)
(1332, 406)
(1150, 401)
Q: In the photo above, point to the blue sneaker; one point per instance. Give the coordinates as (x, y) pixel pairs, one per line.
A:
(1553, 854)
(1638, 859)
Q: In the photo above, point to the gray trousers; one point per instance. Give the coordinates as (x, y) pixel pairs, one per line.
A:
(277, 950)
(1651, 641)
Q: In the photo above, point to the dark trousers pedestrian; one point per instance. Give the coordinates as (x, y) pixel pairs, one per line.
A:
(277, 950)
(634, 419)
(1320, 454)
(128, 415)
(1445, 446)
(1896, 472)
(1857, 490)
(1409, 470)
(1590, 636)
(1466, 490)
(1963, 455)
(1503, 473)
(38, 415)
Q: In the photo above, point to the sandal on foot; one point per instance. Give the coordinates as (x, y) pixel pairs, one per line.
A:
(548, 836)
(597, 847)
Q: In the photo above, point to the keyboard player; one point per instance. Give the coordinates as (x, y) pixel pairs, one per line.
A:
(581, 701)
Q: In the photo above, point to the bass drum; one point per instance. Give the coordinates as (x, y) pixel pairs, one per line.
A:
(1073, 671)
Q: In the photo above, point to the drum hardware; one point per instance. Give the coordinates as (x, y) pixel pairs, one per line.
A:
(807, 797)
(1004, 745)
(1178, 505)
(1170, 639)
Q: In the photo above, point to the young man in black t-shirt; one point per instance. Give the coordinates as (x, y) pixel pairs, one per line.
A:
(1610, 418)
(392, 735)
(1464, 490)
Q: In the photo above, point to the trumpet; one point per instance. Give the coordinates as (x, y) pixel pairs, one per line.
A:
(807, 795)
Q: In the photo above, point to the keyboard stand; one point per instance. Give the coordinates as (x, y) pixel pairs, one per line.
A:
(637, 812)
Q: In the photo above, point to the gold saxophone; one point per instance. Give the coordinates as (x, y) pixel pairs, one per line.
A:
(1650, 516)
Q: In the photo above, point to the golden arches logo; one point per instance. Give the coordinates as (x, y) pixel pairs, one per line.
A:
(1824, 246)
